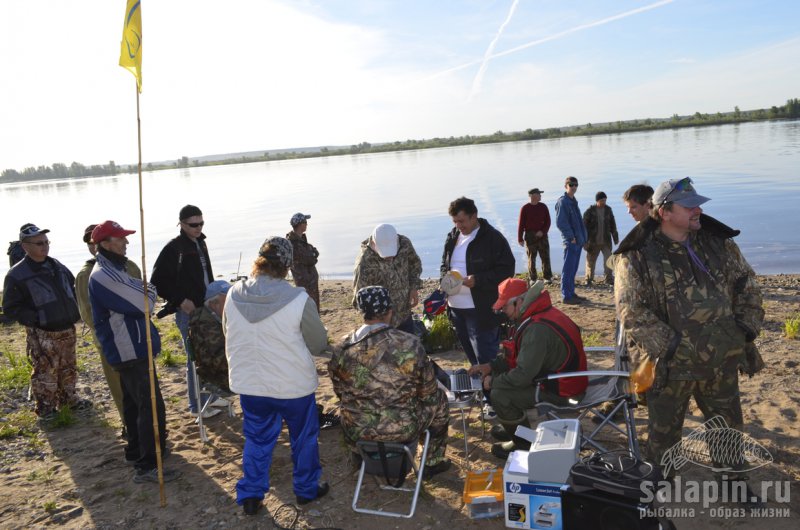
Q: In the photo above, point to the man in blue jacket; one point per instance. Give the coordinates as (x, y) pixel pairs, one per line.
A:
(120, 322)
(573, 237)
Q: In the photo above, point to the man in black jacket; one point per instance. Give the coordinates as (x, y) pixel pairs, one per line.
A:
(39, 293)
(480, 255)
(181, 274)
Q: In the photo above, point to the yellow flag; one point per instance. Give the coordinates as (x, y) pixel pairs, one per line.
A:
(130, 56)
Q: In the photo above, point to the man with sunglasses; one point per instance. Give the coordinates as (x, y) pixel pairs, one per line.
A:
(39, 293)
(181, 274)
(691, 308)
(573, 236)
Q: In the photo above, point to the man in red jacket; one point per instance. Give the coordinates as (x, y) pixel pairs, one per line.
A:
(545, 341)
(534, 222)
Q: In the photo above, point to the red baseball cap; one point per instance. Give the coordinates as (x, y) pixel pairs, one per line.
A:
(508, 289)
(108, 229)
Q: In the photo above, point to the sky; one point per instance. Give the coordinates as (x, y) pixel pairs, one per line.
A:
(250, 75)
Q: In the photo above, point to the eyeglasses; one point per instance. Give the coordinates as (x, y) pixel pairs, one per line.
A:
(573, 185)
(38, 243)
(685, 184)
(195, 225)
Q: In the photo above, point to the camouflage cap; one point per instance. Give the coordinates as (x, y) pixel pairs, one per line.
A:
(276, 248)
(679, 191)
(298, 218)
(373, 300)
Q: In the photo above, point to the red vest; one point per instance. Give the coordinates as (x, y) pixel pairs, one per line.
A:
(542, 311)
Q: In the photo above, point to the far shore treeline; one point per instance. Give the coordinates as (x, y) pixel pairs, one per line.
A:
(791, 110)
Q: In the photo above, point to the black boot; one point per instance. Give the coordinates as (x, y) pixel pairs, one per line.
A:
(503, 449)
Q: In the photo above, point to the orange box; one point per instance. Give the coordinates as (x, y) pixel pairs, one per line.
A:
(483, 493)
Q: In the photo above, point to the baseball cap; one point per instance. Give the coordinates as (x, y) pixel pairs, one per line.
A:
(385, 240)
(451, 282)
(600, 195)
(276, 248)
(535, 190)
(87, 233)
(215, 288)
(299, 218)
(108, 229)
(190, 210)
(514, 287)
(679, 191)
(29, 230)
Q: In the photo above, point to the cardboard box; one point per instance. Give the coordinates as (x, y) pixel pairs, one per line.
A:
(529, 504)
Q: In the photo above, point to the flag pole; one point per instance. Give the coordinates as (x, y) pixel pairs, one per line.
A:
(150, 363)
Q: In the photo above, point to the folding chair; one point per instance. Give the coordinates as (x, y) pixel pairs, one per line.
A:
(211, 396)
(604, 386)
(391, 461)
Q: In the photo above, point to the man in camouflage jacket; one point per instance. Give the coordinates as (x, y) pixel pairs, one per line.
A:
(389, 259)
(207, 339)
(687, 301)
(304, 257)
(386, 383)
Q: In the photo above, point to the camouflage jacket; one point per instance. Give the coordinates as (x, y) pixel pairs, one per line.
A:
(304, 270)
(400, 275)
(208, 347)
(670, 308)
(384, 382)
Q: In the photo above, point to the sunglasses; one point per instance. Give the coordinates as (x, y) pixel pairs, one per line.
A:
(685, 184)
(575, 185)
(195, 225)
(38, 243)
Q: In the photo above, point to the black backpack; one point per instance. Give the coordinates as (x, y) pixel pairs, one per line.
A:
(15, 253)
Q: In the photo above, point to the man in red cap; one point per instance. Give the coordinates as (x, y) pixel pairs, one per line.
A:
(119, 321)
(545, 341)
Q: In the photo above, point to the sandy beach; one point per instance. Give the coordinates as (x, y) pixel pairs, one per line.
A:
(75, 476)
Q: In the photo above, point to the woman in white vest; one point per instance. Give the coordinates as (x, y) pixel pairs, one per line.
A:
(272, 329)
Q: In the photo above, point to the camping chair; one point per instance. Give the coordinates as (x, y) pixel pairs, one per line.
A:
(612, 386)
(212, 396)
(391, 461)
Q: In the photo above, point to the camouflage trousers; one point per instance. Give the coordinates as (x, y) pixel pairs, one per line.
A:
(52, 357)
(541, 246)
(715, 397)
(435, 418)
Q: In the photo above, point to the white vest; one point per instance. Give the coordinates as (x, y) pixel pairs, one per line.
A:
(269, 358)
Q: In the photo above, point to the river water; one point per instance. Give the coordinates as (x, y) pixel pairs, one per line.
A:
(751, 171)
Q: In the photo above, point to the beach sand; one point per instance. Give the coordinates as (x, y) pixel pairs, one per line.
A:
(75, 477)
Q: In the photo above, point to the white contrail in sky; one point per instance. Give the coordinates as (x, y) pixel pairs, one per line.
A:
(476, 83)
(554, 37)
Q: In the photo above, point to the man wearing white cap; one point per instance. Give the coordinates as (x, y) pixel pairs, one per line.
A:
(39, 293)
(389, 259)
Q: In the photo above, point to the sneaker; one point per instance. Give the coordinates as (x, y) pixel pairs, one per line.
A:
(572, 301)
(219, 402)
(488, 412)
(151, 475)
(322, 489)
(441, 467)
(328, 420)
(251, 506)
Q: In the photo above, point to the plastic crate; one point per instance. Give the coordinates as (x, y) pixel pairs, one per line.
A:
(483, 493)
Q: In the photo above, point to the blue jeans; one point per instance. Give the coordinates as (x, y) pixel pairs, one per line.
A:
(262, 425)
(572, 257)
(182, 321)
(480, 345)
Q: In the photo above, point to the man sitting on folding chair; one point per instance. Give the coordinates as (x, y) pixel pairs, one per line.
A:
(386, 384)
(545, 341)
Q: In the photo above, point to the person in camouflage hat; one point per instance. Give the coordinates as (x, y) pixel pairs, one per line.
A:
(690, 307)
(389, 259)
(305, 255)
(207, 339)
(386, 383)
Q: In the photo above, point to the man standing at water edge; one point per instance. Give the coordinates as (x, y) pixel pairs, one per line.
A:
(601, 228)
(691, 308)
(38, 292)
(181, 274)
(481, 256)
(534, 222)
(116, 299)
(573, 236)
